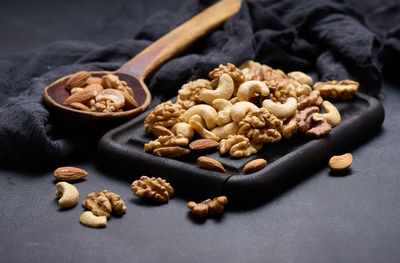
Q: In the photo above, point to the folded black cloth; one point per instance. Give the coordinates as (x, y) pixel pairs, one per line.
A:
(338, 39)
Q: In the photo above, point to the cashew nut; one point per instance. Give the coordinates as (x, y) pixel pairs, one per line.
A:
(183, 128)
(68, 193)
(332, 115)
(281, 110)
(116, 96)
(197, 123)
(224, 111)
(224, 131)
(208, 113)
(301, 77)
(91, 220)
(240, 109)
(303, 89)
(249, 88)
(223, 91)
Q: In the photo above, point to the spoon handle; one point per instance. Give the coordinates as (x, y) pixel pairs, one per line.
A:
(171, 44)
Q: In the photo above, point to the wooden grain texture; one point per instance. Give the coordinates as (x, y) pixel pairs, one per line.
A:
(173, 43)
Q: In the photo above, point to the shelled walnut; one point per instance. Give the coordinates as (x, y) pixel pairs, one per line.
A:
(344, 89)
(104, 203)
(236, 74)
(189, 93)
(168, 146)
(311, 127)
(281, 90)
(260, 126)
(165, 114)
(209, 207)
(154, 188)
(256, 71)
(237, 145)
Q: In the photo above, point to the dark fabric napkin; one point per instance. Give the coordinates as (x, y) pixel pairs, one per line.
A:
(338, 39)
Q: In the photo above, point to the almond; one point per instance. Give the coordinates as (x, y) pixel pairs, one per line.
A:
(210, 164)
(83, 96)
(341, 162)
(79, 106)
(93, 80)
(254, 166)
(69, 173)
(203, 145)
(78, 79)
(161, 131)
(130, 102)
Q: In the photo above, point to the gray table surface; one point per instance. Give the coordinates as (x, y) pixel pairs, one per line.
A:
(323, 218)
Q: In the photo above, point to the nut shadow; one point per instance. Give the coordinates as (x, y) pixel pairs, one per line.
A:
(201, 220)
(344, 173)
(55, 181)
(146, 202)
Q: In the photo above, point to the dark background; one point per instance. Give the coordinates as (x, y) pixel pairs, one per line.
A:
(323, 218)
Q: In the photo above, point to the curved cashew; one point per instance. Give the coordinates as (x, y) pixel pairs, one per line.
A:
(223, 91)
(116, 96)
(208, 113)
(224, 111)
(240, 109)
(303, 89)
(224, 131)
(332, 115)
(281, 110)
(183, 128)
(68, 193)
(197, 123)
(301, 77)
(248, 88)
(91, 220)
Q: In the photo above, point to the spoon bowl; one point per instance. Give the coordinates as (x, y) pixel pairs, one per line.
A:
(139, 69)
(55, 94)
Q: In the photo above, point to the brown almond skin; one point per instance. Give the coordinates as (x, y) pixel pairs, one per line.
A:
(203, 145)
(254, 166)
(340, 162)
(69, 173)
(93, 80)
(83, 96)
(161, 131)
(210, 164)
(130, 102)
(78, 79)
(79, 106)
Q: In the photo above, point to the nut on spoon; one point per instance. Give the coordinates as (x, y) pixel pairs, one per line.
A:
(137, 70)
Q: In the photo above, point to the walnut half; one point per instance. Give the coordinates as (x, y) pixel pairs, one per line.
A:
(154, 188)
(104, 203)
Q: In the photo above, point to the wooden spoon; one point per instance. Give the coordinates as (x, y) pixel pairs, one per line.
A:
(137, 70)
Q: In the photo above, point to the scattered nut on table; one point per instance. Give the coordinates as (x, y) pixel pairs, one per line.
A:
(154, 188)
(69, 173)
(67, 193)
(104, 203)
(209, 207)
(89, 219)
(340, 162)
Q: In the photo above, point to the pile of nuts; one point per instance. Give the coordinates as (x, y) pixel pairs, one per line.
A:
(243, 108)
(105, 94)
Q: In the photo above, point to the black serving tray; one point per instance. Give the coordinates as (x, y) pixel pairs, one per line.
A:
(122, 147)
